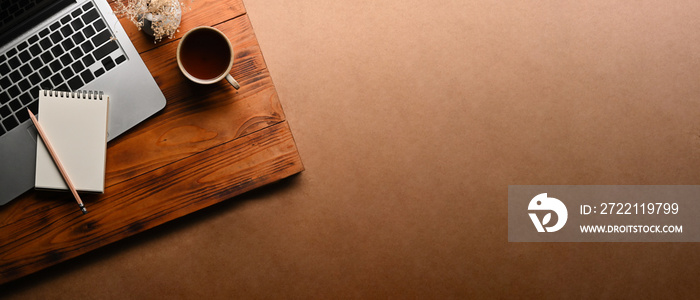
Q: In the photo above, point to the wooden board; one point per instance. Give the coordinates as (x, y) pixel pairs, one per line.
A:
(209, 144)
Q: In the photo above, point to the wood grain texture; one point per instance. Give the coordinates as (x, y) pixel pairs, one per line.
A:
(198, 117)
(209, 144)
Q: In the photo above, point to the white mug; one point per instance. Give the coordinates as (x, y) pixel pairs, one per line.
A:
(205, 56)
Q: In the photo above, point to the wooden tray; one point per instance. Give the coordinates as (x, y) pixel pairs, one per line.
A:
(209, 144)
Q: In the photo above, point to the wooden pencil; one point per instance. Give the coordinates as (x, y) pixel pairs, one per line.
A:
(57, 161)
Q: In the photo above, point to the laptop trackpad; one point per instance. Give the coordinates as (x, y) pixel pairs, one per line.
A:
(18, 152)
(32, 133)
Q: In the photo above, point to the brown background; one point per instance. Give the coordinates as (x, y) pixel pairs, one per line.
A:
(412, 119)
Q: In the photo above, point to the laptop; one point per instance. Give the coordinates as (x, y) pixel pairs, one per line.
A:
(63, 45)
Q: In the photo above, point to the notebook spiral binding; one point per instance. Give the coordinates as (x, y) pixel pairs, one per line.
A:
(92, 95)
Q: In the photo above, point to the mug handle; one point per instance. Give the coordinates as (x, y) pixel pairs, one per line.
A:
(232, 81)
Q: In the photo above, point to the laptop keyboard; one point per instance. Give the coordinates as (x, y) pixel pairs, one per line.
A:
(65, 56)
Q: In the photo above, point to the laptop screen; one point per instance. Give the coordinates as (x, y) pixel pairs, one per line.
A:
(18, 16)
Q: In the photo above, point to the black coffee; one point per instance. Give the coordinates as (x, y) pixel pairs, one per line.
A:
(205, 54)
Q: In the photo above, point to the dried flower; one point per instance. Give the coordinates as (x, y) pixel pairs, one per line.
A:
(163, 15)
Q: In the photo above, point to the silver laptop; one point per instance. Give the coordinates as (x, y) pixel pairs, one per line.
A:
(63, 45)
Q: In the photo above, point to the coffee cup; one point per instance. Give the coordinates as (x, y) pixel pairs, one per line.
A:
(205, 56)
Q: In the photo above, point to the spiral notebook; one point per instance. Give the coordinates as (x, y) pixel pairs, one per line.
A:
(76, 126)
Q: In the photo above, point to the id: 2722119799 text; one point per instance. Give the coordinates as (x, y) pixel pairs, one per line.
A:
(612, 208)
